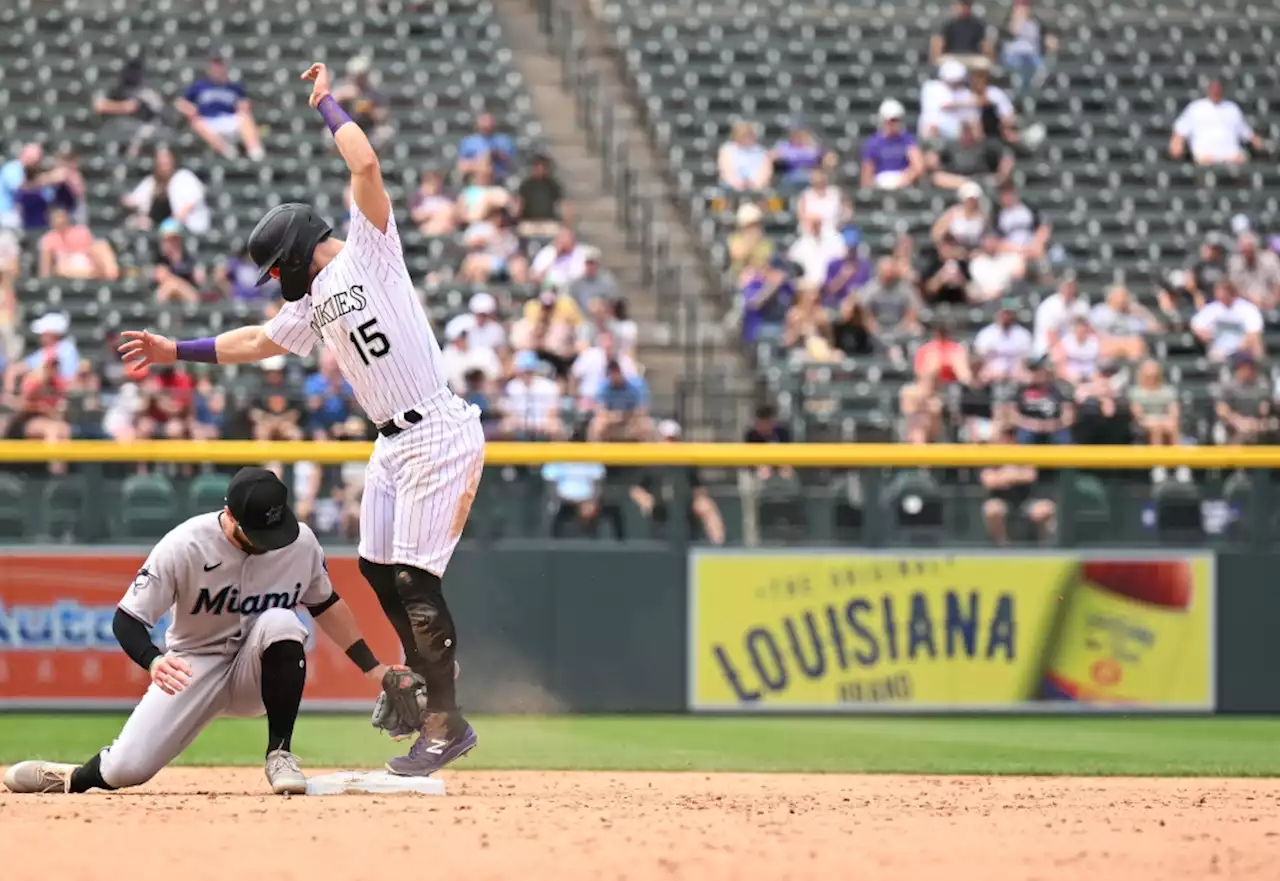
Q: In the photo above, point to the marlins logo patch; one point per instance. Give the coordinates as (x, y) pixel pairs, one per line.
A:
(141, 580)
(275, 514)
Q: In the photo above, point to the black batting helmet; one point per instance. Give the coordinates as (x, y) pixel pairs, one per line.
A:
(284, 240)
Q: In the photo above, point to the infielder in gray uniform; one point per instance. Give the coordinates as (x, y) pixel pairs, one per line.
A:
(356, 298)
(233, 579)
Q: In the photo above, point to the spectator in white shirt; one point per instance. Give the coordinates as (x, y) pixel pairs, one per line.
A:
(1254, 272)
(819, 201)
(560, 263)
(1056, 312)
(461, 357)
(815, 250)
(531, 402)
(946, 104)
(1002, 345)
(992, 271)
(1076, 354)
(488, 331)
(183, 196)
(1229, 324)
(1215, 129)
(589, 368)
(1120, 324)
(743, 163)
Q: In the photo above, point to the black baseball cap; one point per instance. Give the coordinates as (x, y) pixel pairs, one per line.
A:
(260, 504)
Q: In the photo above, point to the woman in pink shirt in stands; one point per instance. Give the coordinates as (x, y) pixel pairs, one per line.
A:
(69, 250)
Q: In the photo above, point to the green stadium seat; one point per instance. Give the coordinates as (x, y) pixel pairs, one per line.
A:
(1092, 515)
(208, 492)
(16, 514)
(913, 500)
(65, 506)
(148, 507)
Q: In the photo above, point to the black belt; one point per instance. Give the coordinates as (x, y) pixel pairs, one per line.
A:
(391, 429)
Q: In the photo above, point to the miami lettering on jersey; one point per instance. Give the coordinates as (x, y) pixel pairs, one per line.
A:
(229, 600)
(342, 303)
(206, 586)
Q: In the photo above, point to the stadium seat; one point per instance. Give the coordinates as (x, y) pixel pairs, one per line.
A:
(208, 492)
(16, 515)
(65, 505)
(148, 507)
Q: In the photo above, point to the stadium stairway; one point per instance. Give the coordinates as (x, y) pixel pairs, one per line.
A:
(675, 344)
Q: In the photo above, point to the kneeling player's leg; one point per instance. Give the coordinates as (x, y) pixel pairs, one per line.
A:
(159, 729)
(269, 674)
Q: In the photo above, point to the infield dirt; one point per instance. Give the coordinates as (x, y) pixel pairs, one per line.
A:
(205, 824)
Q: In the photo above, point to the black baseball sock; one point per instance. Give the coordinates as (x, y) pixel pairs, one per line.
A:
(284, 674)
(382, 578)
(434, 634)
(89, 776)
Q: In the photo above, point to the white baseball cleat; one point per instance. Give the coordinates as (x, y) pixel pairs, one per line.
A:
(284, 775)
(29, 777)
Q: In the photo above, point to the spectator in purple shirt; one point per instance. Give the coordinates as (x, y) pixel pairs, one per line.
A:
(238, 279)
(846, 275)
(766, 295)
(891, 159)
(796, 157)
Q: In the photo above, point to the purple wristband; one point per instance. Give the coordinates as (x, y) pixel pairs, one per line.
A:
(205, 350)
(334, 116)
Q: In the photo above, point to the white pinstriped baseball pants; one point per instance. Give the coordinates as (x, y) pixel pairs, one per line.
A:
(420, 484)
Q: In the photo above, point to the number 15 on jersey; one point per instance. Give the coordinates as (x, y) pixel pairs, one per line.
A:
(369, 341)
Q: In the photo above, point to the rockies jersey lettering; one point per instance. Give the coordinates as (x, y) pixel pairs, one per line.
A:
(216, 590)
(340, 304)
(365, 310)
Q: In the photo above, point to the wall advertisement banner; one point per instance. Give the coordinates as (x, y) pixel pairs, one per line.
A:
(57, 650)
(802, 631)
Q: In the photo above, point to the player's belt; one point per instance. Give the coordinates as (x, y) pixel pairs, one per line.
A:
(399, 423)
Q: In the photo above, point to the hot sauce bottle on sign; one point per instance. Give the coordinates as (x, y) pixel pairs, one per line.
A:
(1123, 632)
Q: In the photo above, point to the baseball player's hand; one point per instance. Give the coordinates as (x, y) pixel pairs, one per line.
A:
(379, 671)
(319, 76)
(141, 347)
(171, 673)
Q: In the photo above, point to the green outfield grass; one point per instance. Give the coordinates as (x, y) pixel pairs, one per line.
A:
(1091, 746)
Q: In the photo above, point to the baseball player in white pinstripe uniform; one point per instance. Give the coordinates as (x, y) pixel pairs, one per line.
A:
(357, 299)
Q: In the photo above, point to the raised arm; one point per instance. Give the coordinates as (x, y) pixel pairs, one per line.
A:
(367, 190)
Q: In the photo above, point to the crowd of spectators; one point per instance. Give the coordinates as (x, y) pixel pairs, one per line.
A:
(1056, 363)
(559, 365)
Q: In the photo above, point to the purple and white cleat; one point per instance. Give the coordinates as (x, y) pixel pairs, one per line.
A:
(434, 748)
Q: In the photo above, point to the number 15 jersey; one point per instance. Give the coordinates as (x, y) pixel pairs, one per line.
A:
(363, 307)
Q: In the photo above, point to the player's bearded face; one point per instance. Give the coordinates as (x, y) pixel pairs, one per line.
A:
(243, 541)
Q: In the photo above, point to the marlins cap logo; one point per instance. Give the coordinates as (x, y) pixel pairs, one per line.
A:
(275, 514)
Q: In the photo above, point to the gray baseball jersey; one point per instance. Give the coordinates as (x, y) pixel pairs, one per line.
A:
(364, 308)
(228, 608)
(215, 589)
